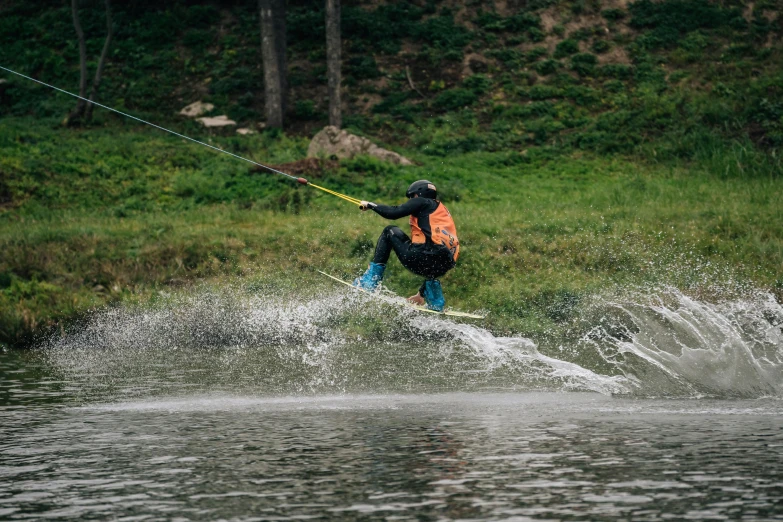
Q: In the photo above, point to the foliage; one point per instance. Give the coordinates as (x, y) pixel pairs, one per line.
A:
(152, 214)
(566, 48)
(670, 19)
(454, 99)
(687, 93)
(584, 64)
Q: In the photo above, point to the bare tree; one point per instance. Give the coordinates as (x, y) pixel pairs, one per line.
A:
(273, 49)
(281, 47)
(333, 61)
(78, 111)
(84, 109)
(96, 82)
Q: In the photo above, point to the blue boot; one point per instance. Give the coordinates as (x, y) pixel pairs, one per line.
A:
(372, 277)
(433, 294)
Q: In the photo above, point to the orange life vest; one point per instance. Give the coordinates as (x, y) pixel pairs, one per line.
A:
(444, 232)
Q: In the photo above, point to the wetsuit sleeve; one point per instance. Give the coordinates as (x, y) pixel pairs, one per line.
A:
(412, 206)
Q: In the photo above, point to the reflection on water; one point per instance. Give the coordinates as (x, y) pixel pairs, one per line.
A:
(198, 454)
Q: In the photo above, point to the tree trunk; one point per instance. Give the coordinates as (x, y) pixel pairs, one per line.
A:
(274, 70)
(78, 111)
(333, 61)
(99, 72)
(281, 45)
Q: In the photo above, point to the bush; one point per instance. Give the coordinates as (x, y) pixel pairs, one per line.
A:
(601, 46)
(614, 86)
(441, 33)
(454, 99)
(582, 96)
(363, 67)
(535, 53)
(304, 110)
(566, 48)
(584, 64)
(616, 70)
(519, 23)
(456, 145)
(546, 67)
(613, 14)
(536, 34)
(391, 102)
(543, 92)
(670, 19)
(511, 58)
(477, 83)
(536, 108)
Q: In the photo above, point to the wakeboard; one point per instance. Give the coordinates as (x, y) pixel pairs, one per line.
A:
(401, 302)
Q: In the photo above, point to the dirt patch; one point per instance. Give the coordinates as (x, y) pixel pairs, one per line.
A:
(584, 22)
(313, 167)
(548, 20)
(614, 55)
(365, 102)
(474, 63)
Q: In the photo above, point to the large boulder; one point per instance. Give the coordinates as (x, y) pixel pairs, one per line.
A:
(333, 142)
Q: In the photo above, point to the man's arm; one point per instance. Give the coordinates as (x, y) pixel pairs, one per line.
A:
(411, 206)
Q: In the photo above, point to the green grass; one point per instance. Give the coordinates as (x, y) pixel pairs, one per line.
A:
(123, 212)
(657, 159)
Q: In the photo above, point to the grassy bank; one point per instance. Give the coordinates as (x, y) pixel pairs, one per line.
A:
(120, 213)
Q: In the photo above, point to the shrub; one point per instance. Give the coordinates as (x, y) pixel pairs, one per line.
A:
(613, 14)
(441, 33)
(478, 83)
(566, 48)
(613, 86)
(670, 19)
(363, 67)
(616, 70)
(584, 64)
(519, 23)
(455, 145)
(454, 99)
(510, 57)
(601, 46)
(197, 39)
(535, 53)
(536, 108)
(201, 16)
(391, 102)
(536, 34)
(581, 34)
(543, 92)
(583, 96)
(546, 67)
(304, 109)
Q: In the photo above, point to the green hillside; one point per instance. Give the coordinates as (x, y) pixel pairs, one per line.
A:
(580, 145)
(609, 77)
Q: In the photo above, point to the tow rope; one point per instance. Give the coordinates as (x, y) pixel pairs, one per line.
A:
(303, 181)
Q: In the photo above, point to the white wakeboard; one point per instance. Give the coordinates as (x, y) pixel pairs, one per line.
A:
(406, 304)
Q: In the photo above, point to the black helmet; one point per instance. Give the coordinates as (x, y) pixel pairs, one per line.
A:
(424, 188)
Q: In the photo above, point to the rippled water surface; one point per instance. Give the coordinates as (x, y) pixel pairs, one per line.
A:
(239, 406)
(190, 453)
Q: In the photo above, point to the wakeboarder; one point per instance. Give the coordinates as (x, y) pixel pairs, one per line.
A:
(432, 250)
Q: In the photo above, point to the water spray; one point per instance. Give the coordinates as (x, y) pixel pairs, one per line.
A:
(302, 181)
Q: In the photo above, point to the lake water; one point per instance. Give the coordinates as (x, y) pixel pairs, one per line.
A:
(253, 409)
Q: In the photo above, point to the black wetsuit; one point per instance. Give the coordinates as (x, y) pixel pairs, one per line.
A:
(426, 259)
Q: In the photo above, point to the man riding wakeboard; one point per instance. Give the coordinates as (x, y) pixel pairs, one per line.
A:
(431, 252)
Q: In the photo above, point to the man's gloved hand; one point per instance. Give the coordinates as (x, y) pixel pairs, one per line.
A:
(364, 205)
